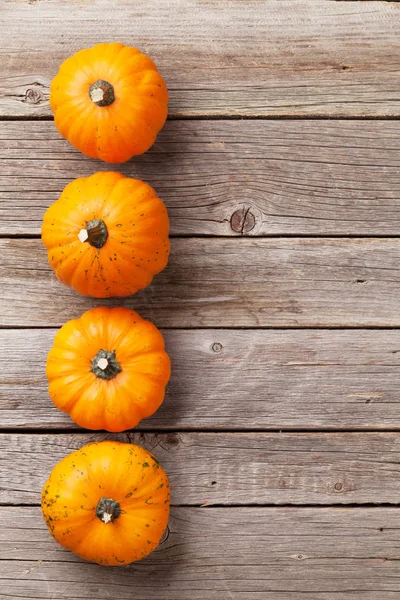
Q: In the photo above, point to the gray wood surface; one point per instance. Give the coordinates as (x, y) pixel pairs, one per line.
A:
(275, 57)
(287, 177)
(247, 282)
(238, 530)
(245, 553)
(225, 379)
(229, 468)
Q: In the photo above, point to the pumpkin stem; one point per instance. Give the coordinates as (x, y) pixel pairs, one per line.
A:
(102, 93)
(96, 233)
(107, 510)
(105, 365)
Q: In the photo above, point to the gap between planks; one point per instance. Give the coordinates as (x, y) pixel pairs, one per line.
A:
(274, 236)
(232, 505)
(140, 429)
(239, 328)
(232, 117)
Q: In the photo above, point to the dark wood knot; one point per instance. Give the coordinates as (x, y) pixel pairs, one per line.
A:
(172, 439)
(242, 221)
(33, 96)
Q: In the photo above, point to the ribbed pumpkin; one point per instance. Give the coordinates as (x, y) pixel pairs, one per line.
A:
(109, 101)
(108, 369)
(107, 235)
(107, 502)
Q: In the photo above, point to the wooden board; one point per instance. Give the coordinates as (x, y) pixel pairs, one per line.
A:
(280, 57)
(229, 468)
(289, 333)
(225, 379)
(226, 283)
(246, 553)
(287, 177)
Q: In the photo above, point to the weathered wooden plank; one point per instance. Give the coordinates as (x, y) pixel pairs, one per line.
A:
(290, 177)
(235, 380)
(251, 553)
(229, 468)
(279, 57)
(226, 283)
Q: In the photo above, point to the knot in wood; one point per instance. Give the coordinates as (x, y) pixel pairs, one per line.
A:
(338, 487)
(172, 439)
(33, 96)
(242, 221)
(216, 347)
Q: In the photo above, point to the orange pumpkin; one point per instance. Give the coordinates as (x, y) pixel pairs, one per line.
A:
(107, 235)
(109, 101)
(108, 369)
(107, 502)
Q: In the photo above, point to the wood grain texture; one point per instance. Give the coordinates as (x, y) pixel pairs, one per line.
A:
(314, 58)
(280, 57)
(229, 468)
(250, 553)
(226, 283)
(225, 379)
(289, 177)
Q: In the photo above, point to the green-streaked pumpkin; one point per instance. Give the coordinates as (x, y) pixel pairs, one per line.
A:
(107, 502)
(107, 235)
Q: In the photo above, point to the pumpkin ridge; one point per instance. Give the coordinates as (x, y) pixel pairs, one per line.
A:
(66, 405)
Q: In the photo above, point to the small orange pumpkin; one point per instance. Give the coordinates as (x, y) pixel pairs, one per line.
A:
(109, 101)
(108, 369)
(107, 502)
(107, 235)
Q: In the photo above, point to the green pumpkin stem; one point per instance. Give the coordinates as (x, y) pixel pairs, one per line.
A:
(105, 365)
(101, 92)
(107, 510)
